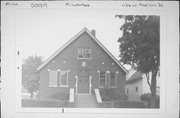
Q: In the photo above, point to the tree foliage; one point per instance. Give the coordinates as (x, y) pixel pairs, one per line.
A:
(139, 44)
(30, 79)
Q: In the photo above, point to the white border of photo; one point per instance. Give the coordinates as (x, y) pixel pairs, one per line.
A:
(11, 75)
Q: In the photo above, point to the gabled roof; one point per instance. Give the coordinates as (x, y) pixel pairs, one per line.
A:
(74, 38)
(135, 77)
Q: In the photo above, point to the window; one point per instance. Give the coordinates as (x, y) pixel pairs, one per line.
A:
(112, 79)
(80, 53)
(52, 78)
(64, 78)
(127, 91)
(84, 53)
(136, 89)
(102, 79)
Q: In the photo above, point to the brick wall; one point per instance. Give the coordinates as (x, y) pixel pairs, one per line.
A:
(67, 60)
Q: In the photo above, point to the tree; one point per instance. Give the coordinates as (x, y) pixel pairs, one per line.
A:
(32, 86)
(30, 79)
(139, 46)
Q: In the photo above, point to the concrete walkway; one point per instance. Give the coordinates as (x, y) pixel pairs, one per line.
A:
(85, 101)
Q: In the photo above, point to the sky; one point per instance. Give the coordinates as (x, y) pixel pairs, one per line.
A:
(41, 32)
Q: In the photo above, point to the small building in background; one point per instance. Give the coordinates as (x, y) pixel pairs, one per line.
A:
(136, 85)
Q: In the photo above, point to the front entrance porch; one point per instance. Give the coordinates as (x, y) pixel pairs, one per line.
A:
(85, 101)
(83, 83)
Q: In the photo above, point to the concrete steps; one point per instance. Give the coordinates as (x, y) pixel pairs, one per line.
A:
(85, 101)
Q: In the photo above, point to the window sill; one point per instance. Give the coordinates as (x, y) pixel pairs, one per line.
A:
(101, 87)
(52, 86)
(84, 58)
(63, 86)
(113, 87)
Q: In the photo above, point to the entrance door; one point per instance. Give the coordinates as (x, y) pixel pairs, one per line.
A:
(83, 83)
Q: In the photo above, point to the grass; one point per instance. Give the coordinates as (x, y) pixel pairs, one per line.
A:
(123, 104)
(130, 104)
(47, 103)
(52, 103)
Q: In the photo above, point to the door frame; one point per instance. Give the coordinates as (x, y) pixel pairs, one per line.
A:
(90, 86)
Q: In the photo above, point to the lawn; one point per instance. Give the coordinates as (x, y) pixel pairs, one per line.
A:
(45, 103)
(123, 104)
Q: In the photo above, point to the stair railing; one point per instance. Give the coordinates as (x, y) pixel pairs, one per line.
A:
(98, 96)
(71, 96)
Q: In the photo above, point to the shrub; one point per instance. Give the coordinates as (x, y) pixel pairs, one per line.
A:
(60, 96)
(147, 97)
(37, 95)
(107, 94)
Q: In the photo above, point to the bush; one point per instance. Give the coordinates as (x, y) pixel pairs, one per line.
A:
(107, 94)
(60, 96)
(37, 95)
(147, 97)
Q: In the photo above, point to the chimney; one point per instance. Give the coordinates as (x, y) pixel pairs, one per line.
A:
(93, 32)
